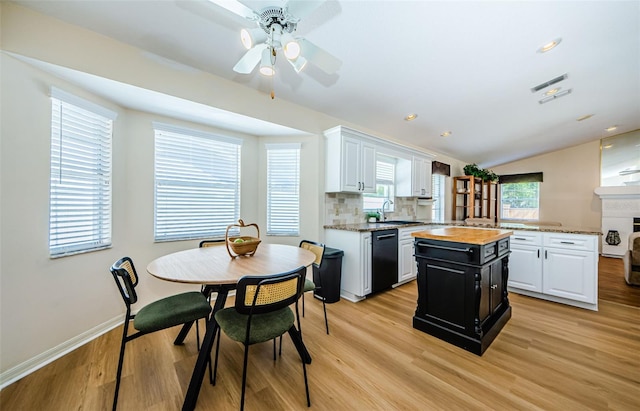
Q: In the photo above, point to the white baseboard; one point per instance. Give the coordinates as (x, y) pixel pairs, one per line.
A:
(21, 370)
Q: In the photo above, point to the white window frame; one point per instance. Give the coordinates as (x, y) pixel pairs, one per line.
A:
(438, 183)
(385, 186)
(197, 183)
(283, 189)
(80, 202)
(504, 199)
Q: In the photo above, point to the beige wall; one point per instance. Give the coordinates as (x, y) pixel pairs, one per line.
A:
(570, 176)
(47, 305)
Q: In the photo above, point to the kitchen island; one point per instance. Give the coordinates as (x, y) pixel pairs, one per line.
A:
(462, 284)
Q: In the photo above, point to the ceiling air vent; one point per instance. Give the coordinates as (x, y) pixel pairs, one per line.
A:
(549, 83)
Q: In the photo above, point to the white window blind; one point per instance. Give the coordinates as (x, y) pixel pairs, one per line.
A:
(80, 183)
(283, 189)
(385, 185)
(197, 183)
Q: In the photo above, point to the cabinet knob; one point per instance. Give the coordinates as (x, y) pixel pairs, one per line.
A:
(493, 287)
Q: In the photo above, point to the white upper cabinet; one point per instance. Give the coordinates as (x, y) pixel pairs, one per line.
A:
(350, 162)
(421, 177)
(413, 177)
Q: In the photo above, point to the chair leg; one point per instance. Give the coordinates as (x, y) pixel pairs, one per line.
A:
(326, 321)
(280, 352)
(215, 368)
(120, 363)
(198, 335)
(303, 304)
(274, 349)
(244, 376)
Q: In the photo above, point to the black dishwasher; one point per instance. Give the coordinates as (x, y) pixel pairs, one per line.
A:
(384, 256)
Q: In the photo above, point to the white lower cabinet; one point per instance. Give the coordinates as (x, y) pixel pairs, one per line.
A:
(407, 265)
(555, 266)
(355, 283)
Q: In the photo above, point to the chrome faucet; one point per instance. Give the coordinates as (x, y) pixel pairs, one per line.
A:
(382, 214)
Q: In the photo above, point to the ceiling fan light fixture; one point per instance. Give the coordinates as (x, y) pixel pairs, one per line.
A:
(251, 37)
(266, 68)
(299, 64)
(290, 46)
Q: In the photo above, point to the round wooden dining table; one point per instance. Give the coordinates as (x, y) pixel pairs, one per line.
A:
(213, 268)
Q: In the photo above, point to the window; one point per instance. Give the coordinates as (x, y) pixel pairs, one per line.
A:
(385, 172)
(197, 183)
(283, 189)
(519, 201)
(80, 181)
(437, 191)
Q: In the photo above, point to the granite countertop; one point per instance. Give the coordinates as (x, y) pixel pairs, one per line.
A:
(363, 227)
(466, 235)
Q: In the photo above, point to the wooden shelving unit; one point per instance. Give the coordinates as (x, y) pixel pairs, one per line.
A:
(474, 198)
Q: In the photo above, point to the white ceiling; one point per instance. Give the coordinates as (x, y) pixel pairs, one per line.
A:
(463, 66)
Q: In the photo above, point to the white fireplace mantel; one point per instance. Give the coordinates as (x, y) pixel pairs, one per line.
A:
(619, 206)
(618, 192)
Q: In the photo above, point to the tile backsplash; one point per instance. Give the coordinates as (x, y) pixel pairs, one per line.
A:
(346, 208)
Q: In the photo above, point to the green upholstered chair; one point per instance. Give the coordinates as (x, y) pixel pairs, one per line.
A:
(309, 285)
(262, 312)
(159, 315)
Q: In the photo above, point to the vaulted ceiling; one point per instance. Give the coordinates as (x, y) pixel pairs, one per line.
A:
(464, 67)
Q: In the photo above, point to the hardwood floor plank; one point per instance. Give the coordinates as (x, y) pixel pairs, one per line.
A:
(548, 357)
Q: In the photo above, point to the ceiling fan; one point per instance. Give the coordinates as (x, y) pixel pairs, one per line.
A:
(274, 34)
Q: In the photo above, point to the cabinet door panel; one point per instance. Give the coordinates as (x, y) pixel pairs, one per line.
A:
(525, 268)
(365, 254)
(368, 168)
(351, 165)
(407, 263)
(569, 274)
(426, 175)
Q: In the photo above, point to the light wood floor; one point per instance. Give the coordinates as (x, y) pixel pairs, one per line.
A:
(549, 356)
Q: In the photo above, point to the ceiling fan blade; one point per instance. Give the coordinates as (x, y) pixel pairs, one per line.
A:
(236, 7)
(319, 57)
(301, 9)
(250, 59)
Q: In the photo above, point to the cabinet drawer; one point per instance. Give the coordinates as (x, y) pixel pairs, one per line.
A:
(570, 241)
(405, 233)
(526, 238)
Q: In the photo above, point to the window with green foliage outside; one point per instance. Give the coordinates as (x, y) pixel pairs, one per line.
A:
(520, 201)
(385, 183)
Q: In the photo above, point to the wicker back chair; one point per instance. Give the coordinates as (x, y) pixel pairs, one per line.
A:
(262, 312)
(165, 313)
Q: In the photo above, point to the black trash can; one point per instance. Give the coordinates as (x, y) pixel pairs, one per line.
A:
(331, 272)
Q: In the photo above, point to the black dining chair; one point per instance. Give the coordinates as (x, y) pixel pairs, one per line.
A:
(159, 315)
(261, 313)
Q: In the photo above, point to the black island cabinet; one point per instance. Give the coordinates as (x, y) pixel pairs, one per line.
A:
(462, 285)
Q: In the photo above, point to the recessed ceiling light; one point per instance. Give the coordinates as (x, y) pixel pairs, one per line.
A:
(552, 91)
(445, 134)
(555, 96)
(585, 117)
(411, 117)
(611, 128)
(550, 45)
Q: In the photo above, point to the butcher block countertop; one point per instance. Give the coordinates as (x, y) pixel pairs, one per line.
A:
(467, 235)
